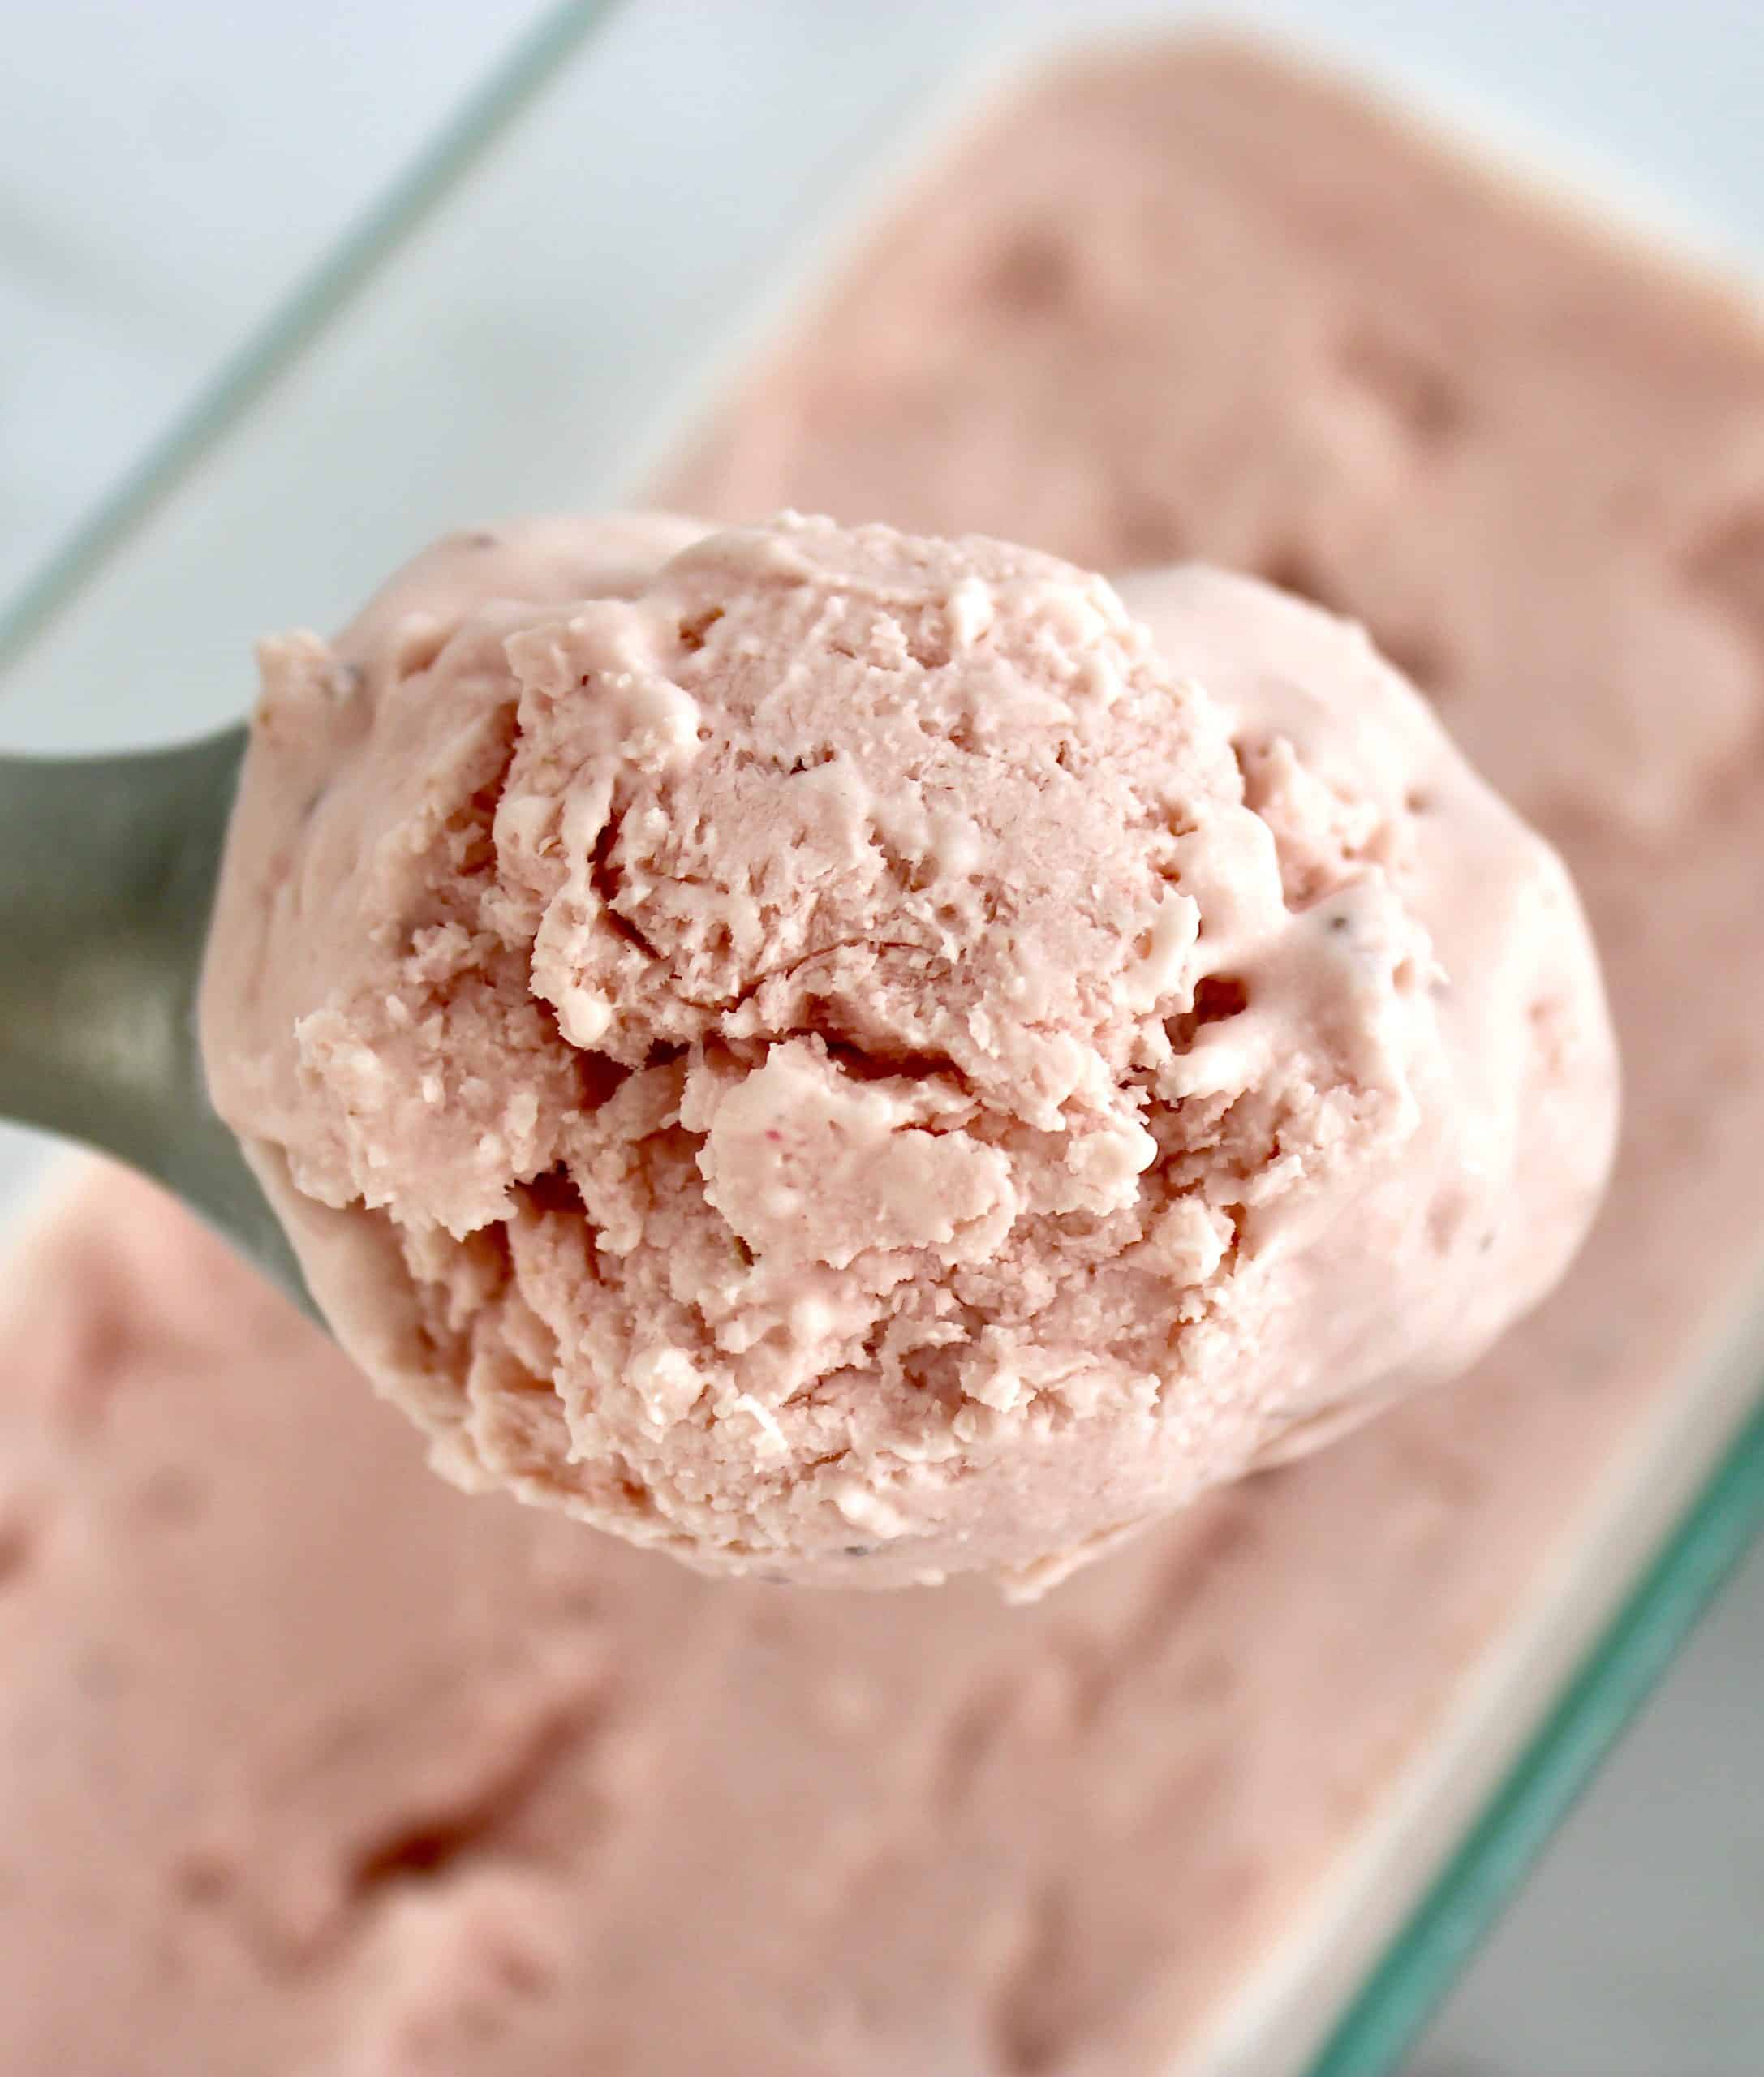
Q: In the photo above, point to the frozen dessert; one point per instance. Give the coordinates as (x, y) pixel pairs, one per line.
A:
(844, 1054)
(309, 1764)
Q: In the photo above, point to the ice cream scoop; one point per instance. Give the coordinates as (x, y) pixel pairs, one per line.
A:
(107, 872)
(850, 1057)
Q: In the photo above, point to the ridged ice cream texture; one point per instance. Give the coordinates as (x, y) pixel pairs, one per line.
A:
(853, 1058)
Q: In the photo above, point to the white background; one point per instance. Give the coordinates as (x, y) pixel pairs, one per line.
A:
(167, 170)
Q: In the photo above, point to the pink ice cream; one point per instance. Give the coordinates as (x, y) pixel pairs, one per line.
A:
(308, 1763)
(853, 1057)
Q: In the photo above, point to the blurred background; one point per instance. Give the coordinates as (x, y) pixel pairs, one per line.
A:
(169, 173)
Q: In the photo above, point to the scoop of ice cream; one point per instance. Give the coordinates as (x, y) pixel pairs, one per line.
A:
(854, 1057)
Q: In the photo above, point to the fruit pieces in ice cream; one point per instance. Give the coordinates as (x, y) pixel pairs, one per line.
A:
(853, 1058)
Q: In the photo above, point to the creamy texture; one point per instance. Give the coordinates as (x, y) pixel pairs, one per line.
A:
(844, 1054)
(309, 1764)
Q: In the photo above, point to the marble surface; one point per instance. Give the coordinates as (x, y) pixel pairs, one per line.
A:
(167, 173)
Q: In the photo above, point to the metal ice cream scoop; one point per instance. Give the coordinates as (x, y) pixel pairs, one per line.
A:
(108, 867)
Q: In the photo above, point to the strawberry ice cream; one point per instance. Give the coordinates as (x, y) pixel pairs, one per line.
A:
(308, 1763)
(853, 1058)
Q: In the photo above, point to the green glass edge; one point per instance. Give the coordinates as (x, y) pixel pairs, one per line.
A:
(347, 268)
(1420, 1965)
(1445, 1930)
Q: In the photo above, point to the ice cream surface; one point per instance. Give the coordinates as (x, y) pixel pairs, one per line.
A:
(854, 1056)
(310, 1764)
